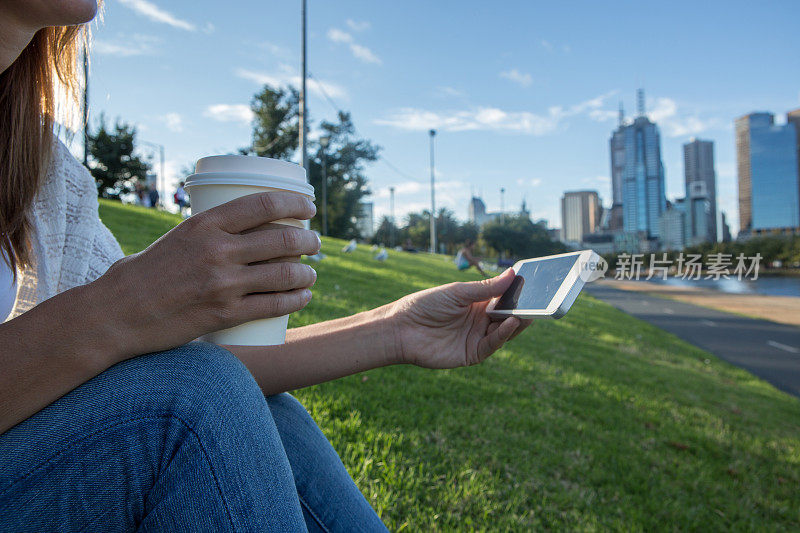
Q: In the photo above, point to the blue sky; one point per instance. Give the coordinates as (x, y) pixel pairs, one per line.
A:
(524, 93)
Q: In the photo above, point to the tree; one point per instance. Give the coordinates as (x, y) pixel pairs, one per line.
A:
(517, 236)
(276, 133)
(345, 158)
(276, 125)
(115, 168)
(386, 234)
(449, 231)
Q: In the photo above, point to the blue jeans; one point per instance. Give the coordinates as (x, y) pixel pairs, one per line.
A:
(181, 440)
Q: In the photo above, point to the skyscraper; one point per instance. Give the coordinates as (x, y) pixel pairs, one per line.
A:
(768, 173)
(701, 191)
(580, 215)
(674, 226)
(637, 174)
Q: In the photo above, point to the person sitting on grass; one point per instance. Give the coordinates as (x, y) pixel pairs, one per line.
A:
(464, 258)
(111, 418)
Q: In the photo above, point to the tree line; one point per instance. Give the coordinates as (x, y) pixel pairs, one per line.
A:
(508, 237)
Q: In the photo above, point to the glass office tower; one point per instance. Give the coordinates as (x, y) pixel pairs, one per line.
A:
(642, 175)
(701, 190)
(767, 166)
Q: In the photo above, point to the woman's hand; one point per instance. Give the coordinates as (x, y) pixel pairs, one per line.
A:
(447, 326)
(204, 275)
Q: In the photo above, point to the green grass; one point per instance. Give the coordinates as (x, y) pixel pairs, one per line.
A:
(596, 421)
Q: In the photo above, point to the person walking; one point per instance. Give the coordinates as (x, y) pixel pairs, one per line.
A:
(181, 199)
(153, 196)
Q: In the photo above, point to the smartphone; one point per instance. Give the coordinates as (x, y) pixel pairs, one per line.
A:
(547, 286)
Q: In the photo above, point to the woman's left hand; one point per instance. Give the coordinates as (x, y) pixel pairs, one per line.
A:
(447, 326)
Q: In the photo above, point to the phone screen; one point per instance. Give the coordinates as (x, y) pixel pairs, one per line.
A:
(536, 283)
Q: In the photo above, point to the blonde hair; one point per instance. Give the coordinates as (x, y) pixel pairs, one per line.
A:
(30, 91)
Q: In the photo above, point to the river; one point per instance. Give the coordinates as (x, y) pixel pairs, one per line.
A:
(768, 285)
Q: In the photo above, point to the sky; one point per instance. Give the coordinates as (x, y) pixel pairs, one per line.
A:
(523, 94)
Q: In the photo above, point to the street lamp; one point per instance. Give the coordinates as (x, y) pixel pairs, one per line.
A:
(303, 93)
(324, 142)
(503, 204)
(432, 133)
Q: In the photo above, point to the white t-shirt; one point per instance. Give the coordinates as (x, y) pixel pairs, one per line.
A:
(8, 289)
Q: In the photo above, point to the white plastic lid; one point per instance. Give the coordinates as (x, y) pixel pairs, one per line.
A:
(250, 170)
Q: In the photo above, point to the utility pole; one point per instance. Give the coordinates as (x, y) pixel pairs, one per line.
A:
(85, 104)
(432, 133)
(303, 95)
(391, 211)
(323, 142)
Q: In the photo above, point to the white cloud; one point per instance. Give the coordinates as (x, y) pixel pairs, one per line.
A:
(287, 77)
(173, 121)
(358, 25)
(533, 182)
(449, 91)
(603, 115)
(666, 113)
(365, 54)
(522, 78)
(664, 108)
(359, 51)
(552, 47)
(338, 36)
(127, 46)
(229, 113)
(415, 187)
(156, 14)
(277, 50)
(490, 118)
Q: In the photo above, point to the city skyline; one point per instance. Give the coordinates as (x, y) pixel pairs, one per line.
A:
(528, 108)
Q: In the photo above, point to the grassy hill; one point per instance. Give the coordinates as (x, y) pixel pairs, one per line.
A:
(594, 421)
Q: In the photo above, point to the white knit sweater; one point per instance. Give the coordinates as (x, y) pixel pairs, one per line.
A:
(70, 244)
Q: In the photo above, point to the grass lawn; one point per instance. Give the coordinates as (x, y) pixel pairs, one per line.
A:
(594, 421)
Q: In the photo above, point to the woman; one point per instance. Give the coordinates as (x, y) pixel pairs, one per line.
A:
(108, 419)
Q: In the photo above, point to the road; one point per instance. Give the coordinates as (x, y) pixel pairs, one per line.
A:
(769, 350)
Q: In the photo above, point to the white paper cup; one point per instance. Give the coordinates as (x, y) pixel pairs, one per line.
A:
(221, 178)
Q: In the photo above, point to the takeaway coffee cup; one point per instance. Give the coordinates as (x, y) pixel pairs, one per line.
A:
(221, 178)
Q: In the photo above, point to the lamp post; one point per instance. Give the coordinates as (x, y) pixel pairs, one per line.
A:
(432, 133)
(324, 142)
(503, 204)
(303, 94)
(162, 179)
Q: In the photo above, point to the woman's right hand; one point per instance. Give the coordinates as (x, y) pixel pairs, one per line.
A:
(201, 277)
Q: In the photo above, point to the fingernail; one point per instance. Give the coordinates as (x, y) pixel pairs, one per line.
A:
(307, 294)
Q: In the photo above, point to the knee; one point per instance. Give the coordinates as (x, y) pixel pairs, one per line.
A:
(289, 414)
(196, 382)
